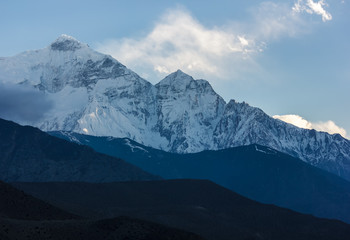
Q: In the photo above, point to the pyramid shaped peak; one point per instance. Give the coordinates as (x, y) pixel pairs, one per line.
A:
(178, 77)
(180, 74)
(67, 43)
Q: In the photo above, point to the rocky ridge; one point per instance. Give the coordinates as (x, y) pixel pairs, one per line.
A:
(95, 94)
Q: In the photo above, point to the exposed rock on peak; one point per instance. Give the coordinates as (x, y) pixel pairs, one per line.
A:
(66, 43)
(181, 83)
(176, 81)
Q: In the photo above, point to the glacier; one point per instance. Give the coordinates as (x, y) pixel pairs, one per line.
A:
(93, 93)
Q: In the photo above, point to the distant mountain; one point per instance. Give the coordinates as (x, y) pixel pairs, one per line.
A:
(28, 154)
(198, 206)
(257, 172)
(95, 94)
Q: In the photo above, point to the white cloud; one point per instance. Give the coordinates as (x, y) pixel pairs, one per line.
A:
(328, 126)
(273, 21)
(179, 41)
(312, 7)
(296, 120)
(23, 104)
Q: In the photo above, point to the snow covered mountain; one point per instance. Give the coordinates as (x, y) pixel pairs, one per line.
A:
(95, 94)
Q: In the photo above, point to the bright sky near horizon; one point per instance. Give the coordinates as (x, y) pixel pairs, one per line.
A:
(289, 58)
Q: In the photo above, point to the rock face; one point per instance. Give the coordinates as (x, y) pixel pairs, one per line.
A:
(242, 124)
(187, 112)
(95, 94)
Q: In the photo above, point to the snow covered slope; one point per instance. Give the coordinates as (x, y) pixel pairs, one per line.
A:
(95, 94)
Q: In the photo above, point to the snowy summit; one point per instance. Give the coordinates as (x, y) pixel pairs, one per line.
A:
(95, 94)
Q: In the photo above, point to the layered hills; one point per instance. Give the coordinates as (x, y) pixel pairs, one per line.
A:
(198, 206)
(177, 128)
(255, 171)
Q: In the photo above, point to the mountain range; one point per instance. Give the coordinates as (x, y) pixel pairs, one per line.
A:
(257, 172)
(177, 128)
(95, 210)
(93, 93)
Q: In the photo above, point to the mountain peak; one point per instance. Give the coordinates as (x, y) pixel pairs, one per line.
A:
(67, 43)
(176, 78)
(64, 37)
(180, 74)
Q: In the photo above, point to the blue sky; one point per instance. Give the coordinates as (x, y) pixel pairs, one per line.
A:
(285, 57)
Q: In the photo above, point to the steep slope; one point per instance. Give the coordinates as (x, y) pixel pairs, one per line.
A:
(242, 124)
(187, 112)
(254, 171)
(94, 94)
(91, 92)
(201, 207)
(28, 154)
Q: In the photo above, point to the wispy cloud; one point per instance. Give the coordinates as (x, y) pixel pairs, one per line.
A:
(22, 104)
(275, 20)
(312, 7)
(179, 41)
(328, 126)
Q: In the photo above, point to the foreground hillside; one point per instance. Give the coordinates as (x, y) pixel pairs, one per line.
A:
(120, 228)
(15, 204)
(25, 217)
(197, 206)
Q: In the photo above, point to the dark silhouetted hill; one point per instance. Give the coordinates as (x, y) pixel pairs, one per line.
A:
(121, 228)
(25, 217)
(28, 154)
(16, 204)
(198, 206)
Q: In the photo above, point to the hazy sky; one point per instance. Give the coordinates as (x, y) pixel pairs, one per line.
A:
(286, 57)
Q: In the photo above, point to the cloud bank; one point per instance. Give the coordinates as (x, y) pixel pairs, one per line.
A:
(328, 126)
(179, 41)
(22, 104)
